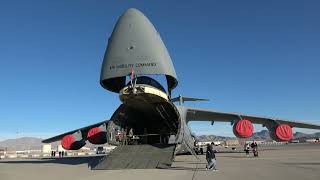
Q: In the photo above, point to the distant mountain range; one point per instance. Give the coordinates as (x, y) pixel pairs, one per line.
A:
(27, 143)
(302, 136)
(19, 144)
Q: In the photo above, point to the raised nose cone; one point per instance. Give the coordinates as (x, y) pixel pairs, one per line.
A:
(135, 45)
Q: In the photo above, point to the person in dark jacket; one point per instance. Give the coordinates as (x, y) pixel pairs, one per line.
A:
(254, 147)
(211, 158)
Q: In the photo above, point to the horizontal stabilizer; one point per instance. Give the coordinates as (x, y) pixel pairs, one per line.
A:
(182, 99)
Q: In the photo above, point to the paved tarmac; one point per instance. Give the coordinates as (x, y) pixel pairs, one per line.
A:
(294, 162)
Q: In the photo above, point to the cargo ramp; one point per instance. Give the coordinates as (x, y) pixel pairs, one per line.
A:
(138, 157)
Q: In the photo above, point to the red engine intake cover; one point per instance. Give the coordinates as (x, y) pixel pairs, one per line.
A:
(96, 136)
(283, 132)
(69, 142)
(243, 129)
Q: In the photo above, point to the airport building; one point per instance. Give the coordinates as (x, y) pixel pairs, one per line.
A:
(46, 148)
(232, 142)
(204, 143)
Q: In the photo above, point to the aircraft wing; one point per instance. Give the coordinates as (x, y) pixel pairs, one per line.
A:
(198, 114)
(83, 129)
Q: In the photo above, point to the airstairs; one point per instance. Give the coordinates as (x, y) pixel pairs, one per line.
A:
(138, 157)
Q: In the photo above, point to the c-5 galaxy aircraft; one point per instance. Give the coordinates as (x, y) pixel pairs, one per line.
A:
(148, 115)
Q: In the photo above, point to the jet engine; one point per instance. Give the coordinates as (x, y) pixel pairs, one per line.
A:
(73, 141)
(243, 128)
(97, 135)
(281, 132)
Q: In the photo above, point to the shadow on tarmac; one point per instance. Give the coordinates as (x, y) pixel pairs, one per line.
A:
(90, 160)
(184, 168)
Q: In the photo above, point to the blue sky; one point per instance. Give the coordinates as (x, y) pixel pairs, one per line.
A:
(255, 57)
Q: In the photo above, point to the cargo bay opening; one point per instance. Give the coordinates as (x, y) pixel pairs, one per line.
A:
(148, 124)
